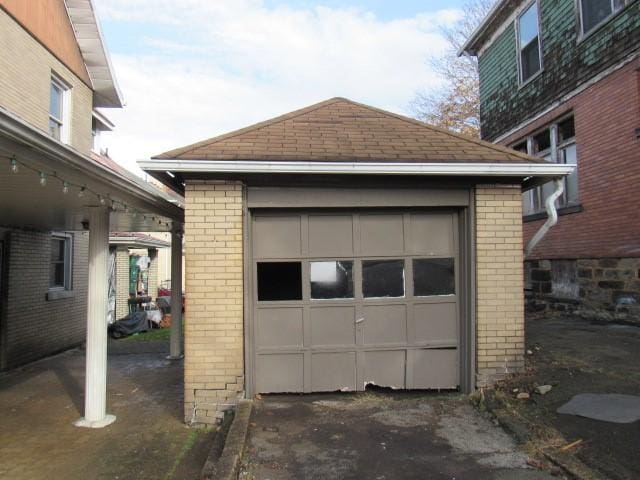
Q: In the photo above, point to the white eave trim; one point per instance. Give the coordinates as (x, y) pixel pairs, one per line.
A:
(360, 168)
(473, 38)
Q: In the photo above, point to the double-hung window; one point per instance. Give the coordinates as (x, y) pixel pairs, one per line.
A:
(555, 143)
(529, 51)
(58, 110)
(595, 12)
(60, 262)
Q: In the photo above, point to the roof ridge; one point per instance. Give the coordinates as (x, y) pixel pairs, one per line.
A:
(460, 136)
(250, 128)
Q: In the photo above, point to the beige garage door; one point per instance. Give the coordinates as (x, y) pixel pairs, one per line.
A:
(344, 300)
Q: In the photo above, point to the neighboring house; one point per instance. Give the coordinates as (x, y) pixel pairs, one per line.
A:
(560, 79)
(58, 201)
(341, 246)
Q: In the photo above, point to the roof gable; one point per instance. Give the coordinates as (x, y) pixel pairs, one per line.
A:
(340, 130)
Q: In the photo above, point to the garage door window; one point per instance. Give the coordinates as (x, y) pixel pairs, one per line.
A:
(331, 280)
(279, 281)
(433, 276)
(382, 278)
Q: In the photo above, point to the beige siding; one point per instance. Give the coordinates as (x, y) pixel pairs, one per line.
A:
(25, 74)
(214, 362)
(500, 297)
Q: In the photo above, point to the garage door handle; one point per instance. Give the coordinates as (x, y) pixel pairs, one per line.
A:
(360, 320)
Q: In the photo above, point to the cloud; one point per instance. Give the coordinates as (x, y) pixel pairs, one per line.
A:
(204, 67)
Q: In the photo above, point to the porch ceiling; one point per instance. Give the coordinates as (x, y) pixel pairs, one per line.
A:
(26, 203)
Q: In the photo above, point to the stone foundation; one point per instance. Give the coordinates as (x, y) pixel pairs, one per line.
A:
(603, 289)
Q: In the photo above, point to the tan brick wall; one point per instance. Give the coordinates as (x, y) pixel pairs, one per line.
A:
(152, 279)
(36, 327)
(25, 79)
(122, 282)
(499, 275)
(214, 362)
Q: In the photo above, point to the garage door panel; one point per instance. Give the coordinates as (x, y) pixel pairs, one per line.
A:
(385, 324)
(435, 322)
(280, 327)
(277, 236)
(434, 368)
(280, 373)
(385, 368)
(432, 234)
(330, 235)
(333, 326)
(333, 371)
(381, 234)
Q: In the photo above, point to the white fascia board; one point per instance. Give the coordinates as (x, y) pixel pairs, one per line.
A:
(466, 47)
(360, 168)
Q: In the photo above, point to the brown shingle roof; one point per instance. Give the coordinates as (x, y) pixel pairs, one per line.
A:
(340, 130)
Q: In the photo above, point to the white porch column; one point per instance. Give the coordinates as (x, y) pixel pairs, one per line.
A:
(95, 398)
(176, 295)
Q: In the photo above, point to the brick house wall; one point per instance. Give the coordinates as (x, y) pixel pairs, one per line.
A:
(34, 327)
(25, 76)
(122, 282)
(214, 324)
(568, 62)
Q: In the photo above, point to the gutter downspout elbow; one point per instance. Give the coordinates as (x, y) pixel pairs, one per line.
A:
(552, 216)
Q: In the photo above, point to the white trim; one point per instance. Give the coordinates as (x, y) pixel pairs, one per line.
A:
(67, 261)
(567, 97)
(358, 168)
(519, 48)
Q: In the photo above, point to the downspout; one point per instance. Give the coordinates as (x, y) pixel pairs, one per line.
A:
(552, 216)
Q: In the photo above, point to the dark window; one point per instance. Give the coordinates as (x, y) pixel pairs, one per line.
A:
(595, 11)
(521, 147)
(433, 276)
(60, 263)
(566, 130)
(383, 278)
(529, 42)
(331, 280)
(279, 281)
(541, 142)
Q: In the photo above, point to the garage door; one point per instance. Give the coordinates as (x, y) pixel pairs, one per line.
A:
(342, 300)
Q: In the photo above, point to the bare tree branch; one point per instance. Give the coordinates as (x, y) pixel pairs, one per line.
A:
(457, 104)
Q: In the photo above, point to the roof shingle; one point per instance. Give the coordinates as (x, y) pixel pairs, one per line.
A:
(340, 130)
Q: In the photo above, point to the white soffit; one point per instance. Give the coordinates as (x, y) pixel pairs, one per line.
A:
(94, 51)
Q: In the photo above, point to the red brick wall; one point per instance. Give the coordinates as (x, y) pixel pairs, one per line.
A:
(606, 115)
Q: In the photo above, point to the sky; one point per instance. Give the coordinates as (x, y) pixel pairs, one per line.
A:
(193, 69)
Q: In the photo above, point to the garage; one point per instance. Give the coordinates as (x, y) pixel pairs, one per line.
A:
(339, 247)
(346, 299)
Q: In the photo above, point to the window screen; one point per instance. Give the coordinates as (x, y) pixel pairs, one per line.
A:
(278, 281)
(594, 12)
(382, 278)
(331, 280)
(433, 276)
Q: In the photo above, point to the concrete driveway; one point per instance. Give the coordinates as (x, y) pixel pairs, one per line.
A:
(379, 436)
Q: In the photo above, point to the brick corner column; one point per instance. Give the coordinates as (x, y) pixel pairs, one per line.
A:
(499, 282)
(152, 279)
(122, 281)
(214, 316)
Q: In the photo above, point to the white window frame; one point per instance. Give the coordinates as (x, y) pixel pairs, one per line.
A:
(67, 238)
(614, 11)
(521, 80)
(63, 122)
(535, 197)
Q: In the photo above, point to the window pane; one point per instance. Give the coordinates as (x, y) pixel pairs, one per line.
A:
(279, 281)
(521, 147)
(331, 280)
(55, 105)
(54, 129)
(566, 130)
(383, 278)
(433, 276)
(56, 275)
(57, 250)
(593, 12)
(528, 26)
(530, 60)
(541, 141)
(569, 156)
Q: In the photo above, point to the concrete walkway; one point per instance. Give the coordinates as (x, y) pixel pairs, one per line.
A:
(148, 441)
(379, 437)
